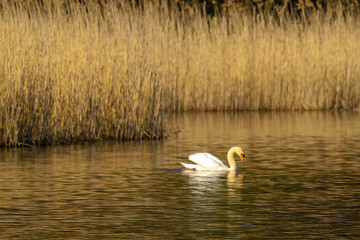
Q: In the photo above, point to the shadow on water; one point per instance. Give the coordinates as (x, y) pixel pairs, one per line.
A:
(300, 179)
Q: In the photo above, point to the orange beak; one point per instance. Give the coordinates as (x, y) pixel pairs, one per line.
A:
(242, 157)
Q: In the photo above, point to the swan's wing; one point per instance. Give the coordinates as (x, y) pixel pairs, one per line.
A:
(207, 161)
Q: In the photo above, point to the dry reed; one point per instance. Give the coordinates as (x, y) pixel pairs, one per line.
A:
(82, 73)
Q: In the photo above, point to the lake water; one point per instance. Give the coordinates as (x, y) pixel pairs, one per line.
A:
(300, 180)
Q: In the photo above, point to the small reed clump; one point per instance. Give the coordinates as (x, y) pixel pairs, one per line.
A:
(73, 73)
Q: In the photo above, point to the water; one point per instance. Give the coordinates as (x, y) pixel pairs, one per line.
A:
(300, 180)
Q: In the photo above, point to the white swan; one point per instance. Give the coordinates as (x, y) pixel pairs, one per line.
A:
(206, 161)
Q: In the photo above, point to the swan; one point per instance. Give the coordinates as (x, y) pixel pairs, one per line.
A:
(207, 161)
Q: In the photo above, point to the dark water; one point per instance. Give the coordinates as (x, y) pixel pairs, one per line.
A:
(300, 180)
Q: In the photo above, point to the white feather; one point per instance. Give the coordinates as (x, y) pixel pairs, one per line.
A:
(207, 161)
(192, 166)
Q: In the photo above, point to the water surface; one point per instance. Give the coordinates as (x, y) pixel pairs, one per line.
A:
(300, 179)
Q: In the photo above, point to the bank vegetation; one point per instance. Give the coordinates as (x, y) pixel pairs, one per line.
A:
(74, 72)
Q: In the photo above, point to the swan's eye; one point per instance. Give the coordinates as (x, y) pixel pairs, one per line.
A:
(243, 154)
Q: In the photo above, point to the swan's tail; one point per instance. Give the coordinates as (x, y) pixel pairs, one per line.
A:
(189, 166)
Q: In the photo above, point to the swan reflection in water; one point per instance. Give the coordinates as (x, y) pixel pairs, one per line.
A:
(212, 195)
(213, 181)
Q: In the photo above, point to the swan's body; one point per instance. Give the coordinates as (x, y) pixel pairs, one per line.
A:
(206, 161)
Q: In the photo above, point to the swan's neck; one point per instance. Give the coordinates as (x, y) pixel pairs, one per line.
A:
(231, 160)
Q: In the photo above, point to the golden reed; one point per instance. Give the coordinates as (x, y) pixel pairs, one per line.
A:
(73, 73)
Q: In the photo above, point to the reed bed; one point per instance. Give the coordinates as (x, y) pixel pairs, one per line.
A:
(81, 73)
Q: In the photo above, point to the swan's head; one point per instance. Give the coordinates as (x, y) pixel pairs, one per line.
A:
(238, 151)
(242, 156)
